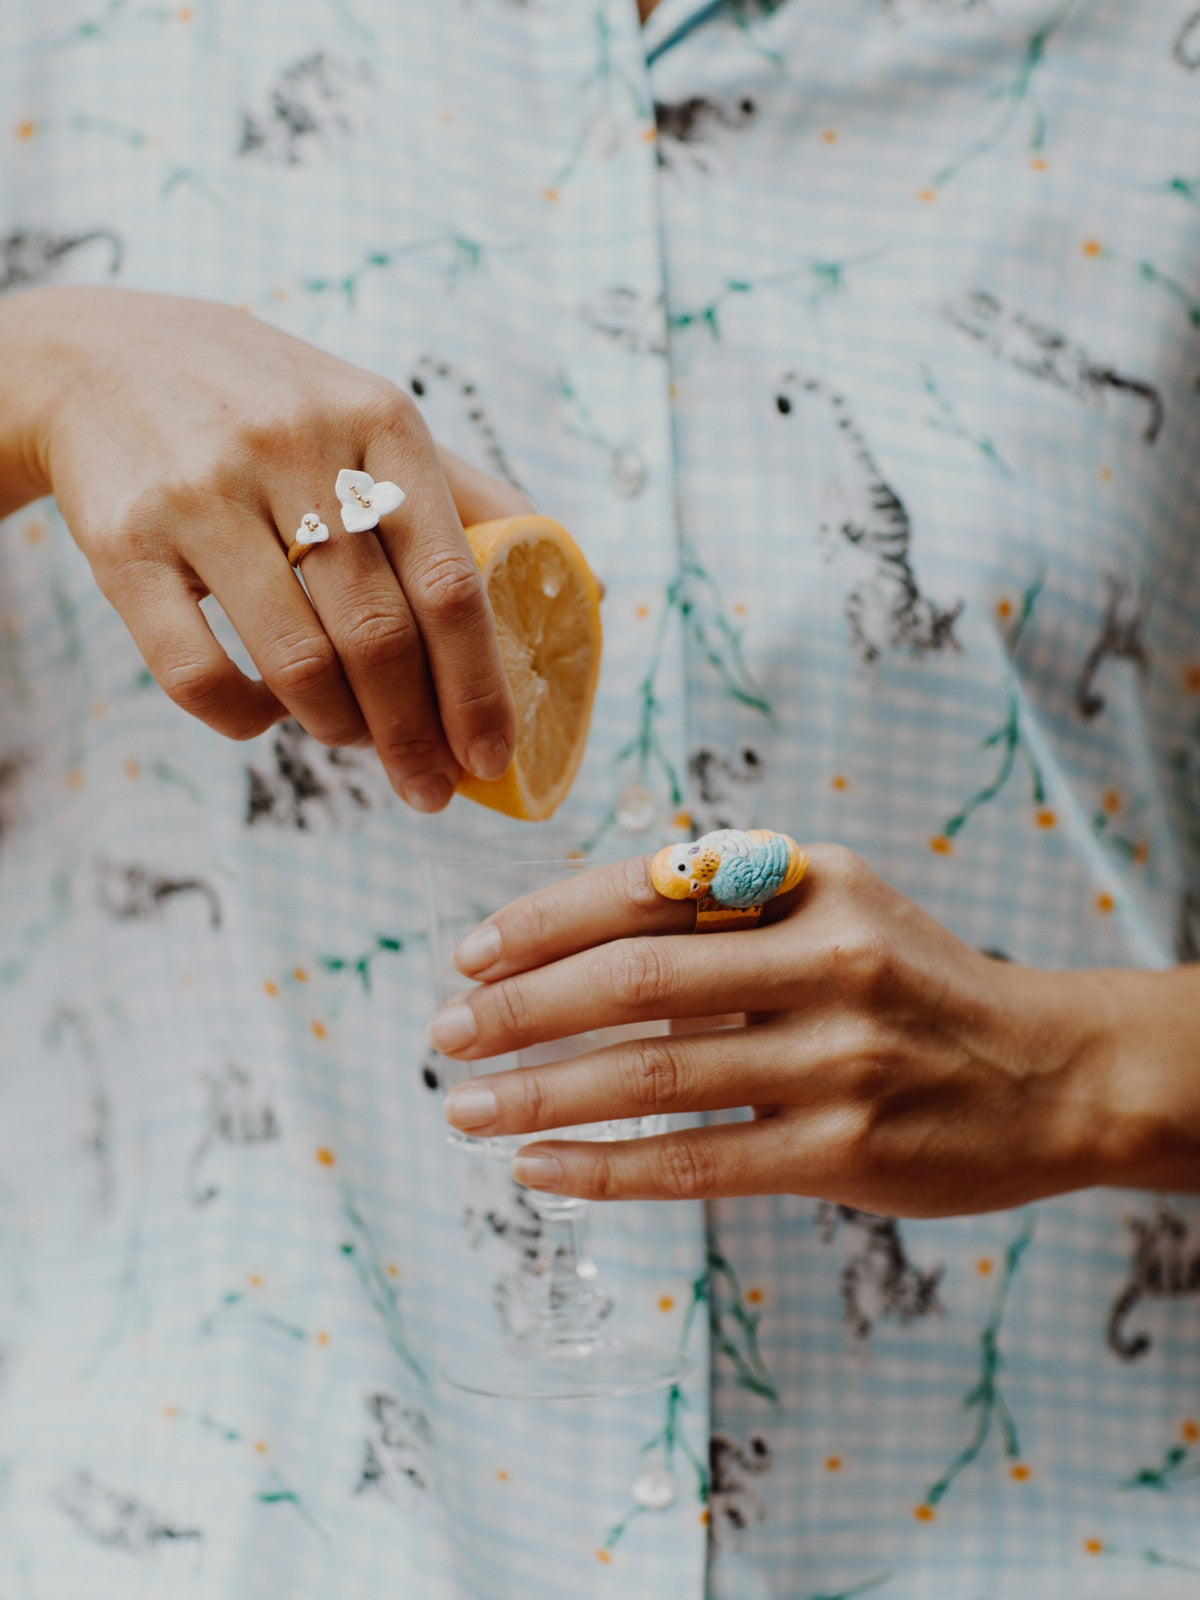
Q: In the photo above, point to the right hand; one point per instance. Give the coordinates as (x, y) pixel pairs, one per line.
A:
(184, 440)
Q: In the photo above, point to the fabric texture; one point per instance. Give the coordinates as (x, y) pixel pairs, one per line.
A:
(856, 341)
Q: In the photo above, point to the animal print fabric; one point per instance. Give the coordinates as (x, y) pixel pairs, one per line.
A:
(858, 343)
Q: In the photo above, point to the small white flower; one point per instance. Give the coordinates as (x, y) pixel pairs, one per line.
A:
(363, 500)
(311, 530)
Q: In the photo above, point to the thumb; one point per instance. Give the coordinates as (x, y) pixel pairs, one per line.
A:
(478, 495)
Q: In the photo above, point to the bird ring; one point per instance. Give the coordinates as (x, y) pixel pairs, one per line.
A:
(310, 532)
(729, 874)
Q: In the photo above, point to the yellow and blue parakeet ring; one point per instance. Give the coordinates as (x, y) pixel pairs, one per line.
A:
(730, 874)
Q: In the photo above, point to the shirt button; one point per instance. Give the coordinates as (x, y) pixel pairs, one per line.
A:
(628, 473)
(604, 137)
(655, 1489)
(637, 809)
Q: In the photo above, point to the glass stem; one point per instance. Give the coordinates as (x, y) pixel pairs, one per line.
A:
(570, 1308)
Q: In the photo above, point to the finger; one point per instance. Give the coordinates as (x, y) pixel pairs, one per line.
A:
(738, 1158)
(160, 606)
(366, 615)
(477, 495)
(587, 908)
(244, 567)
(426, 545)
(623, 982)
(639, 1078)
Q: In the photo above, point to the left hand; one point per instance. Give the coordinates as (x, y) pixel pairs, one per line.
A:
(889, 1066)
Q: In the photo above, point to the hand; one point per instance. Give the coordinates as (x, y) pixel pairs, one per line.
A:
(888, 1065)
(184, 440)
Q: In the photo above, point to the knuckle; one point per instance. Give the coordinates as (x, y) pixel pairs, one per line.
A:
(634, 888)
(535, 1102)
(411, 754)
(380, 638)
(687, 1169)
(511, 1008)
(381, 406)
(654, 1075)
(599, 1178)
(843, 866)
(305, 666)
(863, 957)
(449, 589)
(195, 686)
(640, 972)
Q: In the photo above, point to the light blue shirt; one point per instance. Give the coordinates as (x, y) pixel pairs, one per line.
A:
(856, 341)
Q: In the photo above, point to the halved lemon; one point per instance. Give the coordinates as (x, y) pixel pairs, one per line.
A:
(546, 602)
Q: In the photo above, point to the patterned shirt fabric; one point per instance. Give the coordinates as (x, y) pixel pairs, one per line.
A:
(858, 344)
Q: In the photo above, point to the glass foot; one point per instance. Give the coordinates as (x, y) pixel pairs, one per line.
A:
(530, 1369)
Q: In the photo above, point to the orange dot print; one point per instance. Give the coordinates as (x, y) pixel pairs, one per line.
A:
(829, 136)
(35, 531)
(269, 988)
(839, 782)
(255, 1280)
(666, 1302)
(1141, 853)
(1106, 474)
(1046, 819)
(260, 1447)
(672, 391)
(754, 1297)
(1104, 904)
(984, 1266)
(75, 780)
(650, 133)
(1093, 1546)
(279, 295)
(551, 194)
(99, 710)
(25, 131)
(325, 1156)
(1004, 609)
(318, 1030)
(322, 1338)
(833, 1463)
(446, 116)
(1191, 679)
(300, 975)
(170, 1411)
(605, 1557)
(132, 770)
(1092, 247)
(641, 612)
(704, 1519)
(940, 845)
(926, 195)
(1039, 164)
(1189, 1432)
(739, 610)
(1111, 801)
(393, 1271)
(924, 1513)
(682, 819)
(184, 13)
(1019, 1472)
(501, 1475)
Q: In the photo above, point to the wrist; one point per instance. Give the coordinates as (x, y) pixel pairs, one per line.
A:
(1144, 1056)
(30, 330)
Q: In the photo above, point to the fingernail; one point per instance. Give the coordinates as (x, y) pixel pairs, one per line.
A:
(538, 1172)
(478, 950)
(453, 1028)
(470, 1106)
(428, 794)
(489, 756)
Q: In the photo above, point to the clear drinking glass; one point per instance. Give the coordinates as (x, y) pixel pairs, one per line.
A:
(565, 1345)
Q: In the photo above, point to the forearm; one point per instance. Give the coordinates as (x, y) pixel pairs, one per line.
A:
(28, 353)
(1148, 1053)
